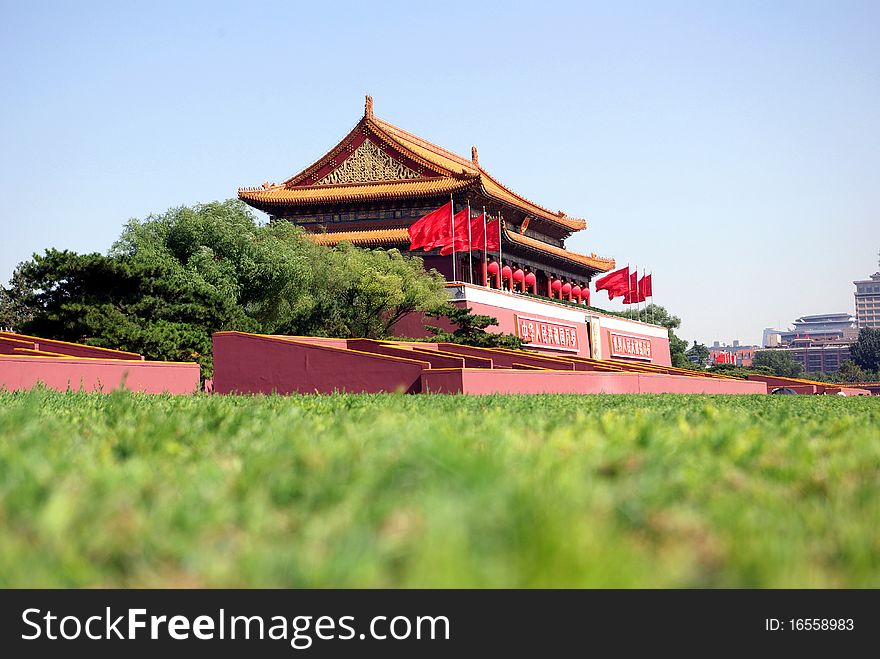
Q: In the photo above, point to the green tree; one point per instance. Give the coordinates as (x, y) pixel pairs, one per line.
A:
(677, 346)
(124, 303)
(14, 310)
(470, 329)
(365, 292)
(698, 352)
(739, 371)
(780, 362)
(270, 270)
(172, 280)
(849, 371)
(866, 350)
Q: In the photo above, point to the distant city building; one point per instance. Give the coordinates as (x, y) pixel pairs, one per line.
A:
(819, 342)
(818, 328)
(868, 301)
(772, 338)
(825, 358)
(735, 354)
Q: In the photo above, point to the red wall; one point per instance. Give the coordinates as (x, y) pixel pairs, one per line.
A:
(413, 326)
(507, 358)
(659, 348)
(579, 382)
(250, 363)
(63, 373)
(431, 356)
(67, 348)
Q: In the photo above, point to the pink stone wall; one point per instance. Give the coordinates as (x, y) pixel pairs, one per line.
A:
(62, 374)
(579, 382)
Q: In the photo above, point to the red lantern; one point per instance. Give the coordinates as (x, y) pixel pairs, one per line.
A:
(505, 272)
(531, 280)
(556, 285)
(518, 275)
(586, 294)
(566, 289)
(493, 268)
(576, 293)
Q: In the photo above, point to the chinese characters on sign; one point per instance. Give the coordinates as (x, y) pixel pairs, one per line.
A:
(545, 334)
(623, 345)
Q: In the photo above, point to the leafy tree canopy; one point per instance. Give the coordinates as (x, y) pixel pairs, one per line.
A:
(172, 280)
(739, 371)
(866, 350)
(699, 352)
(677, 346)
(780, 362)
(470, 329)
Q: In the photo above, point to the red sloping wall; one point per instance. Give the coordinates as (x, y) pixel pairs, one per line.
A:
(505, 359)
(251, 363)
(432, 357)
(71, 349)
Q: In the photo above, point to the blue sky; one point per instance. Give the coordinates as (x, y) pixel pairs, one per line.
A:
(732, 148)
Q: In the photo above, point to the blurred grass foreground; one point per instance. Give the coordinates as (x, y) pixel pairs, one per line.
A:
(439, 491)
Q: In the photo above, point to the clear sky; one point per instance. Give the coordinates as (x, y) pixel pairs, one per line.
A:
(731, 147)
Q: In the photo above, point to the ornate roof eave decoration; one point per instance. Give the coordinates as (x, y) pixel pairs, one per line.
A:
(368, 124)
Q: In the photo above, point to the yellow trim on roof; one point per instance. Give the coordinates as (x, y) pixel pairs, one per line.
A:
(599, 263)
(315, 194)
(369, 237)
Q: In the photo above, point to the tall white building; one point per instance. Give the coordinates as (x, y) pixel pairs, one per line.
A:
(868, 301)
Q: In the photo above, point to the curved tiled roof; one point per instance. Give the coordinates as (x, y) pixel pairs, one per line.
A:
(455, 163)
(599, 263)
(444, 172)
(283, 195)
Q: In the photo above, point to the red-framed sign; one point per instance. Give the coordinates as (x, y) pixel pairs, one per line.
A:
(547, 334)
(633, 347)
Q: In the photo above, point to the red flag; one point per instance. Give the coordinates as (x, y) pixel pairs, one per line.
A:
(634, 294)
(492, 237)
(616, 283)
(461, 235)
(646, 287)
(432, 230)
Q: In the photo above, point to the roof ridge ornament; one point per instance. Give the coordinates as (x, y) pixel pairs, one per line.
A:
(475, 156)
(368, 106)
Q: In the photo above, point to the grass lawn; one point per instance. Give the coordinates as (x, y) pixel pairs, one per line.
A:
(390, 490)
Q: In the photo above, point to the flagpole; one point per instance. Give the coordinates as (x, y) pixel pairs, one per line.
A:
(652, 297)
(452, 216)
(636, 291)
(485, 250)
(646, 307)
(628, 293)
(470, 262)
(639, 292)
(500, 257)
